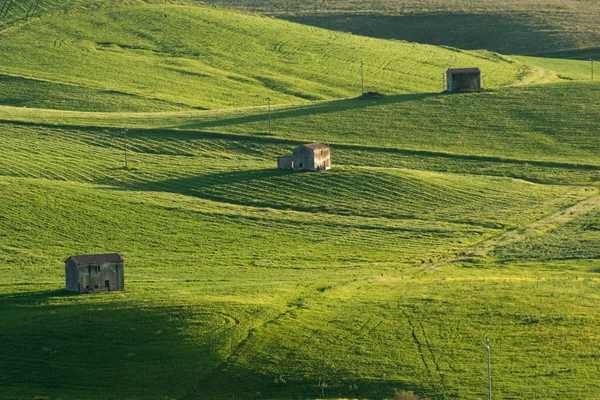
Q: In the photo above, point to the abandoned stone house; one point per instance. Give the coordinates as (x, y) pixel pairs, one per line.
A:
(285, 162)
(463, 80)
(308, 157)
(312, 157)
(95, 273)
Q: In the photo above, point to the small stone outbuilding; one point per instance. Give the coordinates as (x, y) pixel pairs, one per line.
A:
(463, 80)
(312, 157)
(95, 273)
(285, 162)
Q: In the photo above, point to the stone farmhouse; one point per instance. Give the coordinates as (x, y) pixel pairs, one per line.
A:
(95, 273)
(308, 157)
(463, 80)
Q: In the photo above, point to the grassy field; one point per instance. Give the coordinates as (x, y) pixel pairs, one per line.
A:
(577, 239)
(228, 298)
(509, 26)
(193, 55)
(548, 131)
(445, 218)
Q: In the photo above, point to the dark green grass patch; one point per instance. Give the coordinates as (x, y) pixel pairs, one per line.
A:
(509, 26)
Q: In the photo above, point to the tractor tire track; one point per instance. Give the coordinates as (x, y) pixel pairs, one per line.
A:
(538, 227)
(237, 348)
(418, 343)
(428, 345)
(544, 225)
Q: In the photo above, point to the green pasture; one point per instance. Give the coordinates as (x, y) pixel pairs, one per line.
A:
(445, 218)
(566, 28)
(202, 57)
(542, 133)
(575, 240)
(281, 302)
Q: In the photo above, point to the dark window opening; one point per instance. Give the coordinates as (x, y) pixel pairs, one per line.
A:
(300, 165)
(106, 284)
(95, 286)
(87, 286)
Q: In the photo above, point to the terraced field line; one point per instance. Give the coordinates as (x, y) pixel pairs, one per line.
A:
(537, 228)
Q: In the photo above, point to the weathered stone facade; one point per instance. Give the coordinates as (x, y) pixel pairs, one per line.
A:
(285, 162)
(463, 80)
(312, 157)
(95, 273)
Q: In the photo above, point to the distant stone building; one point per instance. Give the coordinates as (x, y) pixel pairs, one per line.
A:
(312, 157)
(285, 162)
(463, 80)
(95, 273)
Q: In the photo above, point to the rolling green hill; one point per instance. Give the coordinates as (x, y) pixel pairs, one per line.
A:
(201, 57)
(445, 218)
(510, 26)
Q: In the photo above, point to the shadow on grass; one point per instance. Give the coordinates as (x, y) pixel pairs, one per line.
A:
(312, 109)
(507, 33)
(250, 385)
(195, 184)
(58, 344)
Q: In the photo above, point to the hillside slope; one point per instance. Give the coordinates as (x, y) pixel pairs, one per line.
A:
(509, 26)
(202, 57)
(245, 281)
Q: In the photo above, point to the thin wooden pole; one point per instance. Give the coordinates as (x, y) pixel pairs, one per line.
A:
(125, 146)
(487, 345)
(269, 108)
(362, 76)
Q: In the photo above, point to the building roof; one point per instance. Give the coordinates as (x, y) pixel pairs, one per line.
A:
(97, 258)
(315, 146)
(464, 70)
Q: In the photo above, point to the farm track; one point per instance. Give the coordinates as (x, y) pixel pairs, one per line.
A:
(539, 227)
(252, 332)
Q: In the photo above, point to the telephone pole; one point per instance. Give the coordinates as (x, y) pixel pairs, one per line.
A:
(487, 346)
(362, 76)
(269, 107)
(125, 145)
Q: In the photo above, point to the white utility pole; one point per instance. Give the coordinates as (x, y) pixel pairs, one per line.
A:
(487, 346)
